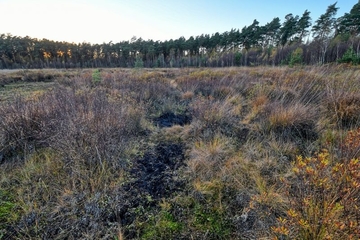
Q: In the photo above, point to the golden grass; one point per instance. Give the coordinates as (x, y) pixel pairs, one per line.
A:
(285, 116)
(206, 158)
(71, 151)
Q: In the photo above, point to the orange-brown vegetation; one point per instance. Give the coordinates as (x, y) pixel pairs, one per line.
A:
(237, 153)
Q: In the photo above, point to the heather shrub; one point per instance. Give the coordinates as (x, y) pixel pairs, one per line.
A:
(181, 154)
(97, 129)
(27, 125)
(63, 118)
(32, 76)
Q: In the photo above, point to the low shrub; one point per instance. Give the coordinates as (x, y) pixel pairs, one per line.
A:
(323, 196)
(96, 77)
(350, 145)
(349, 57)
(296, 57)
(182, 154)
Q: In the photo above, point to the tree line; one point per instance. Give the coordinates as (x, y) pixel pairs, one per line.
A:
(294, 41)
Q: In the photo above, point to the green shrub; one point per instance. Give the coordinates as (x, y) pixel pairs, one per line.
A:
(349, 57)
(139, 62)
(296, 57)
(237, 58)
(96, 77)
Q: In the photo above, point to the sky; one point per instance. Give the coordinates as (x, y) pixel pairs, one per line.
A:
(99, 21)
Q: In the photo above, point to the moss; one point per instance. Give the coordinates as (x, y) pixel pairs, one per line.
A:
(8, 211)
(163, 226)
(212, 221)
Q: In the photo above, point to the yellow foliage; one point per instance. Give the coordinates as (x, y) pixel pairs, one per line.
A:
(324, 204)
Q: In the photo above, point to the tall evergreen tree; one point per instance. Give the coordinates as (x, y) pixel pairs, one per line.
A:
(289, 29)
(324, 28)
(350, 22)
(271, 32)
(302, 26)
(250, 36)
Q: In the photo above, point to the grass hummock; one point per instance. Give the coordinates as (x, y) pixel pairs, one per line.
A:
(231, 153)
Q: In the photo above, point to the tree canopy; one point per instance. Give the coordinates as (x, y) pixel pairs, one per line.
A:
(272, 43)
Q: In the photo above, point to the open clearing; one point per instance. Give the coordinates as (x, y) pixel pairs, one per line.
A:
(231, 153)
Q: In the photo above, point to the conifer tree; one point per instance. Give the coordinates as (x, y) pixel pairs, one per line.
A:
(323, 30)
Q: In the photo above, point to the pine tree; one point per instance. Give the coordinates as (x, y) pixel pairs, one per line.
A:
(351, 21)
(288, 30)
(302, 26)
(323, 30)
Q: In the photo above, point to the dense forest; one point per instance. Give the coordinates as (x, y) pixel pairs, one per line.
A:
(294, 41)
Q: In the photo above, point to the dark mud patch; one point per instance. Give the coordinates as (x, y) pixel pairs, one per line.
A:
(155, 177)
(169, 119)
(241, 133)
(156, 171)
(301, 131)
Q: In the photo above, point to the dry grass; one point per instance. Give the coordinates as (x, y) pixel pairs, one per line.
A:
(206, 159)
(173, 153)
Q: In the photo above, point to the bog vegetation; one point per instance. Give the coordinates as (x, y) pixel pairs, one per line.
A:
(232, 153)
(177, 152)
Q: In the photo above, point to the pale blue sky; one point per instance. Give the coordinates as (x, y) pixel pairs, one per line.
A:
(98, 21)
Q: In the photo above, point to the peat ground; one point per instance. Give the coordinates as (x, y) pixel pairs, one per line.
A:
(180, 153)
